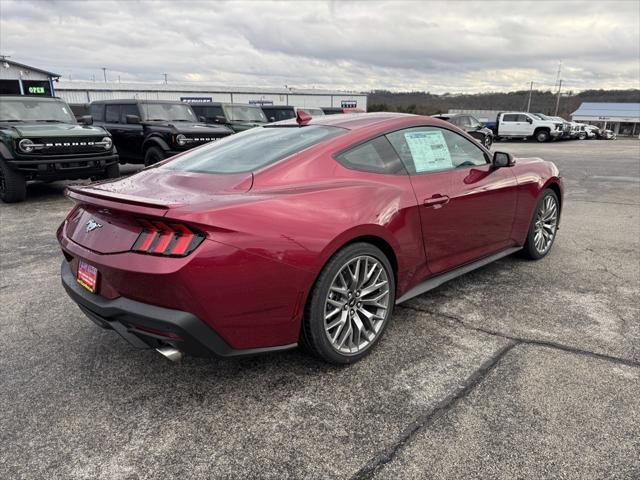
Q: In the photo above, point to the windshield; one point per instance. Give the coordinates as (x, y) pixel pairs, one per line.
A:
(473, 122)
(245, 113)
(26, 109)
(252, 149)
(171, 112)
(541, 116)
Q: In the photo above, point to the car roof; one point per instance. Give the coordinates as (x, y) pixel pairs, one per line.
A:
(355, 121)
(278, 107)
(129, 101)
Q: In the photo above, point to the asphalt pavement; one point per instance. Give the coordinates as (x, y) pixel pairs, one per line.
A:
(518, 370)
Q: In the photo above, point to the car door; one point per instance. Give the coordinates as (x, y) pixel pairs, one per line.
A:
(131, 134)
(466, 206)
(509, 125)
(112, 123)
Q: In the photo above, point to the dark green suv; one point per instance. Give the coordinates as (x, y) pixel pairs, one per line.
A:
(41, 140)
(236, 116)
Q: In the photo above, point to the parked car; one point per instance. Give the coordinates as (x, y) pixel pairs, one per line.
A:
(41, 140)
(148, 131)
(248, 246)
(471, 125)
(236, 116)
(276, 113)
(338, 110)
(527, 125)
(605, 134)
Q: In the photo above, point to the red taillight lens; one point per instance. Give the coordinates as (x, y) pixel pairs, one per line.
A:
(168, 239)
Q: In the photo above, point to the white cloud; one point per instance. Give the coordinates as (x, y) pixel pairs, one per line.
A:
(435, 46)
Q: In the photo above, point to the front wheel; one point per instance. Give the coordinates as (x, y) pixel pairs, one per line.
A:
(543, 228)
(350, 305)
(153, 155)
(542, 136)
(487, 141)
(13, 187)
(112, 171)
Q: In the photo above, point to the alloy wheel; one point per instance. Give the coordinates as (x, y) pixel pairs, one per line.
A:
(545, 224)
(357, 305)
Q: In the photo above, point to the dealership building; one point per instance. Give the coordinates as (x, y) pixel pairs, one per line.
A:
(81, 92)
(622, 118)
(20, 79)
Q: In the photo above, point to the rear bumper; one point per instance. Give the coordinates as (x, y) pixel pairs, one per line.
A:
(149, 326)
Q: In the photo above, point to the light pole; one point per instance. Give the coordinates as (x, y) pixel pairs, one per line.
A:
(529, 102)
(558, 99)
(104, 73)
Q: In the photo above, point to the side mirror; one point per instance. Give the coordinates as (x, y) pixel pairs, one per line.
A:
(132, 119)
(85, 120)
(530, 120)
(220, 119)
(502, 159)
(272, 119)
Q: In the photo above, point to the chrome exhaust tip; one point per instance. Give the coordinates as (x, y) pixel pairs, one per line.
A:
(171, 353)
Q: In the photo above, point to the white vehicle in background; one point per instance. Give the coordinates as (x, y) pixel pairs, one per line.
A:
(566, 126)
(527, 125)
(587, 132)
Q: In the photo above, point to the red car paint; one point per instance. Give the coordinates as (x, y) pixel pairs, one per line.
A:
(269, 233)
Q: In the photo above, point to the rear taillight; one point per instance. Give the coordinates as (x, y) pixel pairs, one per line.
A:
(166, 238)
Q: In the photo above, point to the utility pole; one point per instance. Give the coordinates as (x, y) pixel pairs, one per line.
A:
(165, 77)
(529, 102)
(558, 99)
(104, 73)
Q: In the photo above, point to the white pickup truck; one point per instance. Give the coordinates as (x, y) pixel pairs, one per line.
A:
(526, 125)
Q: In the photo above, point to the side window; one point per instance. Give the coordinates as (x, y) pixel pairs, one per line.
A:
(522, 118)
(97, 112)
(433, 149)
(376, 156)
(464, 122)
(128, 109)
(510, 117)
(112, 114)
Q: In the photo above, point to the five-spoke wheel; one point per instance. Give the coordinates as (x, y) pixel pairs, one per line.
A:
(542, 231)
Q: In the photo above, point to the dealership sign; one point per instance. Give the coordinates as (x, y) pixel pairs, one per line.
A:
(196, 99)
(37, 90)
(349, 104)
(260, 102)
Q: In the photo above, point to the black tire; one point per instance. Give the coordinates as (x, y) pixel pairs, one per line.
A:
(313, 337)
(582, 136)
(487, 141)
(529, 250)
(153, 155)
(112, 171)
(542, 136)
(13, 186)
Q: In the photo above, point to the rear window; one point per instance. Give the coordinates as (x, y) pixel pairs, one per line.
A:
(252, 149)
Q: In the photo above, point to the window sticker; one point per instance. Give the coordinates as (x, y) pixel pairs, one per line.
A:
(429, 151)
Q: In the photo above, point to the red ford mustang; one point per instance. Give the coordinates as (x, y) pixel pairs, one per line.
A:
(301, 232)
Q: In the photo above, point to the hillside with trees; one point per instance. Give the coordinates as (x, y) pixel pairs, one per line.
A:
(425, 103)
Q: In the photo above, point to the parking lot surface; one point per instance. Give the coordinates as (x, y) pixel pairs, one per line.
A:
(518, 370)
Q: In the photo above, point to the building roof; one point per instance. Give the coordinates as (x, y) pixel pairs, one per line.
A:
(190, 87)
(611, 110)
(29, 67)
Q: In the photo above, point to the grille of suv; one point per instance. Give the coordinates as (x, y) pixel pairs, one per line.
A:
(65, 145)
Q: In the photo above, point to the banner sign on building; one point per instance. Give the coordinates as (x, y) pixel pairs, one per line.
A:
(196, 99)
(260, 102)
(349, 104)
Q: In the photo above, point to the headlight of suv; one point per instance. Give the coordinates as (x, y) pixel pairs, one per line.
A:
(108, 143)
(26, 145)
(181, 140)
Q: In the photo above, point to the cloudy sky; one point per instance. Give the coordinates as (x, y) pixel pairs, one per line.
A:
(464, 46)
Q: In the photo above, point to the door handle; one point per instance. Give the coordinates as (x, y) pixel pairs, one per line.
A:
(437, 201)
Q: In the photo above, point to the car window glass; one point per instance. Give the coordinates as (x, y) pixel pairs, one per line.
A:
(376, 155)
(464, 121)
(522, 118)
(473, 122)
(97, 112)
(112, 114)
(125, 110)
(510, 117)
(433, 149)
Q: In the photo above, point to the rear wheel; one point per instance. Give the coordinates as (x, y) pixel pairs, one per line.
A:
(350, 305)
(153, 155)
(13, 186)
(544, 226)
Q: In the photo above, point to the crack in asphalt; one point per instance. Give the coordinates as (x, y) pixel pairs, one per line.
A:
(387, 455)
(528, 341)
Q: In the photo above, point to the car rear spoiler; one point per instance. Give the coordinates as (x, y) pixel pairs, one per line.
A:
(95, 196)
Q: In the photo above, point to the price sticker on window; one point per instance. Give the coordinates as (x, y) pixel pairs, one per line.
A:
(429, 151)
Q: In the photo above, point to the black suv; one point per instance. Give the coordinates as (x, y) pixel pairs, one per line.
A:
(276, 113)
(238, 117)
(148, 131)
(471, 125)
(41, 140)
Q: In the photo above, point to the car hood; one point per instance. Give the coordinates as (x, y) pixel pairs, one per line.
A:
(163, 187)
(194, 128)
(40, 130)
